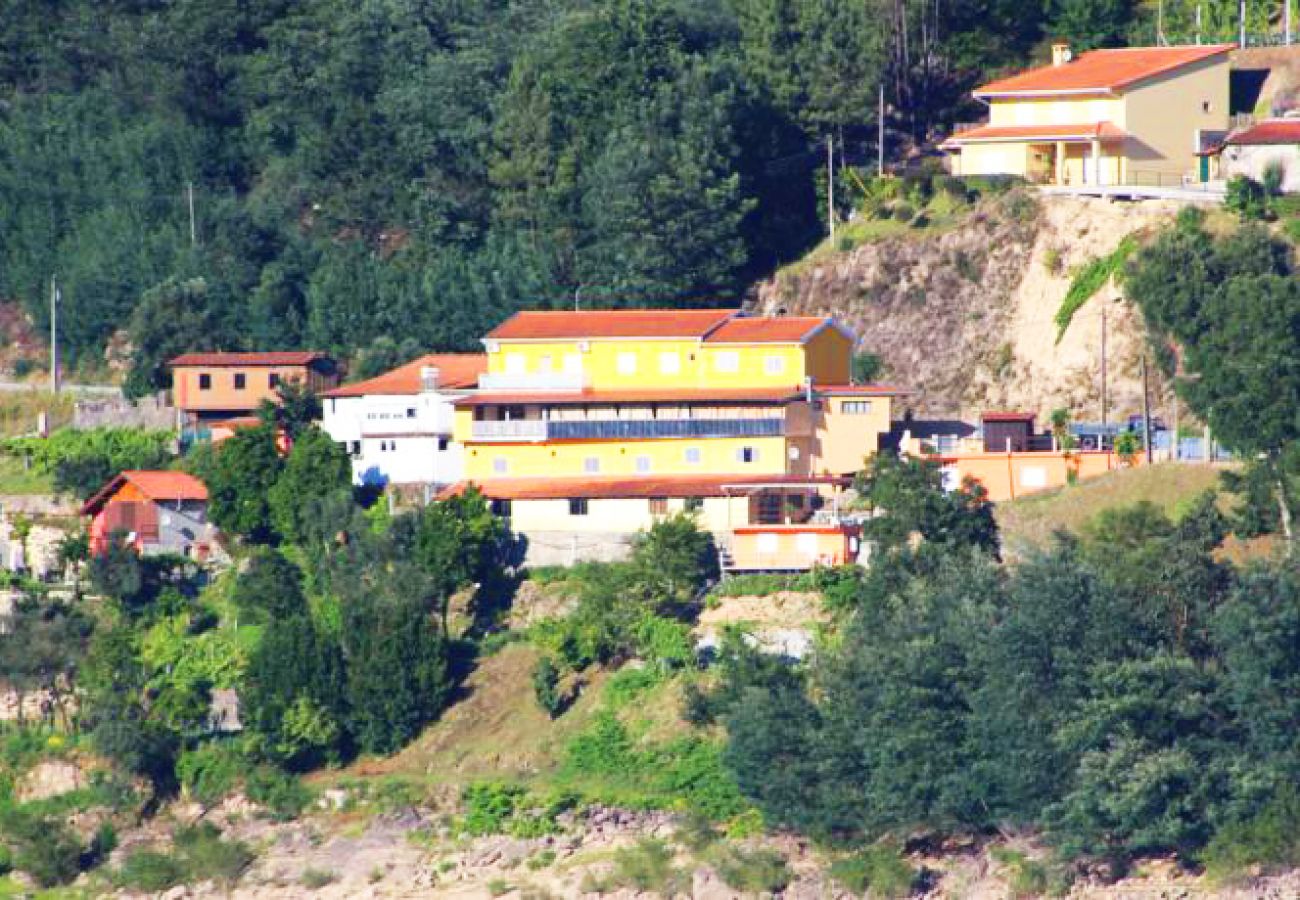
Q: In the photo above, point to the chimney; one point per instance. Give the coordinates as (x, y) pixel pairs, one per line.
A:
(428, 378)
(1061, 53)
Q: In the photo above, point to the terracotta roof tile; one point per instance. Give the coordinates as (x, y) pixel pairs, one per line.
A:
(612, 487)
(1270, 131)
(269, 358)
(455, 371)
(157, 485)
(1101, 71)
(767, 329)
(862, 390)
(1084, 131)
(619, 323)
(1004, 416)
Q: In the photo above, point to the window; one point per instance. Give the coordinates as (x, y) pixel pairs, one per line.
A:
(591, 465)
(578, 506)
(499, 465)
(501, 508)
(806, 544)
(240, 381)
(693, 455)
(643, 464)
(572, 364)
(626, 363)
(658, 506)
(544, 364)
(516, 364)
(1205, 106)
(856, 407)
(694, 504)
(727, 361)
(747, 454)
(205, 382)
(670, 363)
(273, 381)
(355, 448)
(768, 542)
(773, 365)
(443, 444)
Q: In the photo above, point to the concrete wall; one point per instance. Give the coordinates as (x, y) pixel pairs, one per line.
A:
(1253, 160)
(1163, 116)
(118, 412)
(1007, 476)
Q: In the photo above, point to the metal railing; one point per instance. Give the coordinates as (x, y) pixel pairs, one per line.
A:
(513, 430)
(625, 429)
(532, 381)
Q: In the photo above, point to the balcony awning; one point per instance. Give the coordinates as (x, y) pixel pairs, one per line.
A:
(1084, 132)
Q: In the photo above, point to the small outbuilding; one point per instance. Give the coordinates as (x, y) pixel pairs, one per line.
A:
(157, 511)
(1272, 143)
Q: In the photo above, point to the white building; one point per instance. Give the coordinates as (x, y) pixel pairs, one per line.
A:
(397, 427)
(1272, 143)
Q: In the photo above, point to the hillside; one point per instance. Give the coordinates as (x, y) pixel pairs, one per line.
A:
(965, 315)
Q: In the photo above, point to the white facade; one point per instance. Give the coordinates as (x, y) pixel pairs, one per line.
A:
(397, 438)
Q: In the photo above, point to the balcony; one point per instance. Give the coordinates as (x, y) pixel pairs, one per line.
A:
(626, 429)
(532, 381)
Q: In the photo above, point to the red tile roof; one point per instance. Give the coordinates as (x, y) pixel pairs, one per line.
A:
(616, 487)
(1007, 417)
(1102, 71)
(271, 358)
(625, 323)
(1086, 131)
(1270, 131)
(645, 395)
(154, 484)
(455, 370)
(768, 329)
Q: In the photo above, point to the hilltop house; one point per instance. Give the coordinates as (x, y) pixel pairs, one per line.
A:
(158, 511)
(588, 426)
(397, 427)
(210, 388)
(1133, 116)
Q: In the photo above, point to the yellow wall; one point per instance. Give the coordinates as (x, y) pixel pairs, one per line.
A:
(1056, 111)
(844, 440)
(830, 357)
(718, 456)
(791, 548)
(622, 516)
(698, 365)
(992, 159)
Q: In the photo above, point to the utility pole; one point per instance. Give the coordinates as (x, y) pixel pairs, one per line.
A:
(1160, 23)
(54, 333)
(1104, 418)
(1198, 21)
(1241, 23)
(1286, 22)
(1146, 412)
(1175, 449)
(880, 133)
(830, 184)
(577, 294)
(189, 194)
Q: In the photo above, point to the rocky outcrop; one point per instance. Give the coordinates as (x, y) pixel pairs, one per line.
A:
(965, 316)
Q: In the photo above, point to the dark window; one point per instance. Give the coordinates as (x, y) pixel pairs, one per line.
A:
(501, 508)
(410, 412)
(578, 507)
(442, 444)
(273, 380)
(658, 506)
(694, 504)
(205, 382)
(240, 381)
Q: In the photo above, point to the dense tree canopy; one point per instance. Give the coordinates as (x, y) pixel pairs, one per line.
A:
(421, 168)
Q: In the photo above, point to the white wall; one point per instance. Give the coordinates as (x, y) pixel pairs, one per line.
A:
(397, 438)
(1254, 159)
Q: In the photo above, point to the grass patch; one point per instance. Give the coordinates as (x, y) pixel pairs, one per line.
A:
(1090, 279)
(315, 879)
(647, 866)
(1028, 878)
(19, 479)
(752, 871)
(200, 854)
(881, 870)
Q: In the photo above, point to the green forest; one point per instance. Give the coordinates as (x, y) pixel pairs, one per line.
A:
(422, 169)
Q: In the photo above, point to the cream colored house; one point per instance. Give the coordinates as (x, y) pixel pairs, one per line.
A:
(1132, 116)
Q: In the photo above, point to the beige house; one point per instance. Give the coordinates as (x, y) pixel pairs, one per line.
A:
(1133, 116)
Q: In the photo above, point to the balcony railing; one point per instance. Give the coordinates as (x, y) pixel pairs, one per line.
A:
(516, 430)
(626, 429)
(532, 381)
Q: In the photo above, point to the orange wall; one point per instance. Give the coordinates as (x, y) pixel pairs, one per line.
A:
(1007, 476)
(224, 397)
(775, 547)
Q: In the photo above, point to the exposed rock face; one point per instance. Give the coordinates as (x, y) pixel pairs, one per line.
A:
(50, 778)
(966, 317)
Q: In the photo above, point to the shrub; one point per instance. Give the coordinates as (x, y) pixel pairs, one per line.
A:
(546, 687)
(43, 847)
(315, 879)
(209, 857)
(282, 795)
(1269, 841)
(1246, 197)
(881, 869)
(758, 585)
(210, 771)
(1091, 279)
(648, 866)
(904, 212)
(629, 683)
(1029, 877)
(150, 871)
(752, 871)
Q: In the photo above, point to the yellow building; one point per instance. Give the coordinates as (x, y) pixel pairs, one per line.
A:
(589, 425)
(1132, 116)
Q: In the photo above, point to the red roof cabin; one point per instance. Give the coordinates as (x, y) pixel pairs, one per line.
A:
(215, 387)
(156, 511)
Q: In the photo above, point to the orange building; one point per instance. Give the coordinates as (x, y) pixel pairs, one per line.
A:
(211, 387)
(156, 511)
